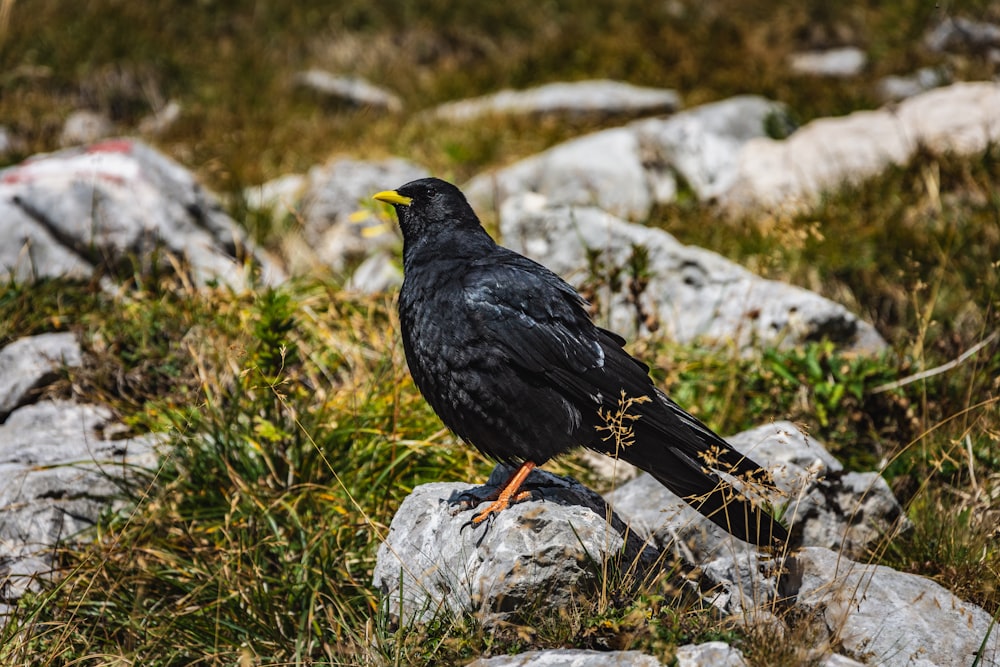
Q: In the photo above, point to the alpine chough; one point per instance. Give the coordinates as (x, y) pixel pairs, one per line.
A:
(506, 354)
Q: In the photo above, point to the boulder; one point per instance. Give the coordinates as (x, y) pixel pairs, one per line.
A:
(61, 471)
(337, 208)
(894, 618)
(543, 552)
(791, 175)
(824, 506)
(709, 654)
(602, 169)
(961, 35)
(121, 206)
(640, 279)
(85, 127)
(894, 88)
(626, 170)
(701, 145)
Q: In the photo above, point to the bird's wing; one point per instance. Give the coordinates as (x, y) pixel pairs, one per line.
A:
(537, 319)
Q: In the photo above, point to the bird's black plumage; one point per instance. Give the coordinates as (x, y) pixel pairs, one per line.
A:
(507, 355)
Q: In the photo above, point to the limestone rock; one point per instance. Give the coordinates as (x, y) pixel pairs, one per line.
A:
(85, 127)
(850, 512)
(709, 654)
(60, 472)
(958, 34)
(844, 62)
(893, 618)
(570, 658)
(598, 97)
(702, 144)
(537, 552)
(791, 174)
(603, 169)
(626, 170)
(31, 362)
(895, 88)
(280, 196)
(161, 120)
(338, 213)
(352, 89)
(122, 206)
(690, 293)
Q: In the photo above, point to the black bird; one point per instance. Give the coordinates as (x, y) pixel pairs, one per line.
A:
(505, 352)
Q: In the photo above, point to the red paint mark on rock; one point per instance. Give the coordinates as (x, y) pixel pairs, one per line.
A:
(112, 146)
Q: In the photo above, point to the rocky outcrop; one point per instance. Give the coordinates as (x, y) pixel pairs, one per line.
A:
(647, 280)
(728, 151)
(538, 553)
(62, 463)
(118, 207)
(30, 363)
(542, 553)
(339, 225)
(892, 618)
(571, 658)
(791, 174)
(626, 170)
(844, 62)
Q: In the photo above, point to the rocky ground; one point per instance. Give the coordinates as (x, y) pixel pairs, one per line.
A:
(106, 209)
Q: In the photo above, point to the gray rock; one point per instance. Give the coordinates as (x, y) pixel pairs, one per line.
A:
(841, 63)
(791, 175)
(85, 127)
(709, 654)
(30, 251)
(702, 144)
(961, 34)
(687, 292)
(744, 583)
(60, 472)
(895, 88)
(963, 118)
(851, 512)
(280, 196)
(538, 552)
(379, 273)
(114, 203)
(893, 618)
(599, 97)
(837, 660)
(602, 169)
(352, 89)
(570, 658)
(31, 362)
(337, 208)
(625, 170)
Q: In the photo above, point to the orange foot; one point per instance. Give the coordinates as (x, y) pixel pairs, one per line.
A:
(508, 493)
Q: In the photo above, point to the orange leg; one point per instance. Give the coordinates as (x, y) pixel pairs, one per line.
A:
(508, 493)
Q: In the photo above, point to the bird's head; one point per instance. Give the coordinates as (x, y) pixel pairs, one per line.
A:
(428, 207)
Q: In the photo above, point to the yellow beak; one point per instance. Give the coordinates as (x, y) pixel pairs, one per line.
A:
(392, 197)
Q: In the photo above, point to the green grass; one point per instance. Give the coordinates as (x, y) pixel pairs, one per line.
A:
(294, 431)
